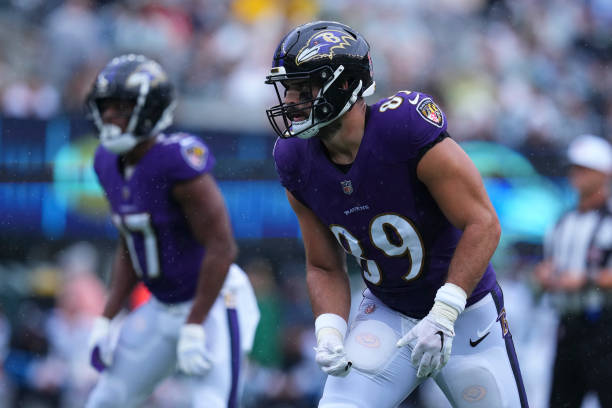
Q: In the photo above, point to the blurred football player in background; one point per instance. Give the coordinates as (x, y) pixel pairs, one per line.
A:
(388, 185)
(176, 237)
(577, 272)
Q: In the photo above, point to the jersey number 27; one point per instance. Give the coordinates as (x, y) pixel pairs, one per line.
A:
(138, 232)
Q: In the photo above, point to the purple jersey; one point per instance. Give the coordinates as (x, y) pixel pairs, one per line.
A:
(163, 250)
(379, 211)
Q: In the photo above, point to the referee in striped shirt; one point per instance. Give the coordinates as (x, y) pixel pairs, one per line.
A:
(577, 272)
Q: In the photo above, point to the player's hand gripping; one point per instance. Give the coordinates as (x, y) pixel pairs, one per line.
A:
(432, 338)
(330, 330)
(192, 356)
(100, 344)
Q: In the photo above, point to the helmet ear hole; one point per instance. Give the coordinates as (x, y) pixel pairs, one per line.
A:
(324, 75)
(323, 110)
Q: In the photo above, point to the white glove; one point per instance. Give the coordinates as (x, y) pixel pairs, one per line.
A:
(192, 356)
(431, 339)
(330, 330)
(100, 344)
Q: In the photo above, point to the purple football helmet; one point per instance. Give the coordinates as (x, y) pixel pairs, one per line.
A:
(138, 79)
(328, 54)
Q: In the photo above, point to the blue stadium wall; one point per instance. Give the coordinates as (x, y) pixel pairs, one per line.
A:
(48, 188)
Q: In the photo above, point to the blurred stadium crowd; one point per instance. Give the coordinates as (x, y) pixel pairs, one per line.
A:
(513, 71)
(528, 74)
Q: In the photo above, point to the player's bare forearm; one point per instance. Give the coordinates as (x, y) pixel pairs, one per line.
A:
(473, 253)
(205, 211)
(456, 186)
(329, 292)
(122, 283)
(213, 272)
(326, 276)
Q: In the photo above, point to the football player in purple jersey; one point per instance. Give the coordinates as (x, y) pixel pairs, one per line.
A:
(175, 236)
(386, 184)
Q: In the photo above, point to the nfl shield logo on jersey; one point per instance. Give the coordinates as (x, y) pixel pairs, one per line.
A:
(347, 187)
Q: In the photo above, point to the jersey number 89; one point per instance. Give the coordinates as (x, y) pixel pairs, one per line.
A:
(394, 235)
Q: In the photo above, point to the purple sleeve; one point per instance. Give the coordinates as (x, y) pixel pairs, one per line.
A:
(187, 158)
(96, 162)
(291, 162)
(408, 122)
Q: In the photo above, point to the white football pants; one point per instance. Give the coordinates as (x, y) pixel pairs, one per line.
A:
(146, 350)
(482, 372)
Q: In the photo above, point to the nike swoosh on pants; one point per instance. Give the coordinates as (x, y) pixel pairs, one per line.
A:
(477, 342)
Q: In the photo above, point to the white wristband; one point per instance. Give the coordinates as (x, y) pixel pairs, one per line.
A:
(453, 296)
(330, 320)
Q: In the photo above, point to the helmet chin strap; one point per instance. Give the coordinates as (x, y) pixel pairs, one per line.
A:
(115, 141)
